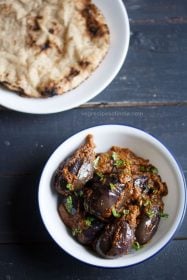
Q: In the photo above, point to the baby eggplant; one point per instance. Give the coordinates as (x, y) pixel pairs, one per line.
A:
(83, 227)
(116, 240)
(102, 195)
(70, 210)
(148, 226)
(77, 169)
(141, 183)
(88, 230)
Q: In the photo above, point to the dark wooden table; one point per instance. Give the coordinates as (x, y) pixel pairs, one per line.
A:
(150, 93)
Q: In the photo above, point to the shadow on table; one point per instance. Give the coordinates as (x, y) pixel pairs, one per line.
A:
(24, 218)
(31, 244)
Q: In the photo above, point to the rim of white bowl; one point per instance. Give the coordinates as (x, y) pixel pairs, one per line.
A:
(136, 258)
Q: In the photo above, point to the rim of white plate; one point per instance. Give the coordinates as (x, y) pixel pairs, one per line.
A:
(117, 19)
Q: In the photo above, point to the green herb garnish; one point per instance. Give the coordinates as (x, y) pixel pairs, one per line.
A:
(147, 203)
(76, 231)
(136, 245)
(89, 221)
(115, 213)
(142, 168)
(150, 213)
(112, 186)
(100, 175)
(69, 187)
(69, 204)
(163, 215)
(154, 170)
(151, 169)
(115, 156)
(126, 211)
(119, 163)
(95, 162)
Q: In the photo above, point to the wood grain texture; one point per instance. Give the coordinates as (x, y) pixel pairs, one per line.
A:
(156, 10)
(27, 139)
(155, 69)
(149, 72)
(158, 47)
(150, 93)
(47, 261)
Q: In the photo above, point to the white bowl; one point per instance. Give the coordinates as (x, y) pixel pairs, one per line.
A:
(117, 19)
(143, 145)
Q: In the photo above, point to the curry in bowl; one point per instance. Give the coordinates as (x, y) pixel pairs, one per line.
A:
(111, 201)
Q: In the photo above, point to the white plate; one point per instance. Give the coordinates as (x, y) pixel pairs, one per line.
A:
(117, 19)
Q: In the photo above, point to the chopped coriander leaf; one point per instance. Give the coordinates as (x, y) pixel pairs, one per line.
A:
(150, 213)
(154, 170)
(142, 168)
(69, 204)
(89, 221)
(76, 231)
(112, 186)
(163, 215)
(119, 163)
(100, 175)
(69, 187)
(151, 169)
(95, 162)
(115, 213)
(136, 245)
(126, 211)
(147, 203)
(115, 156)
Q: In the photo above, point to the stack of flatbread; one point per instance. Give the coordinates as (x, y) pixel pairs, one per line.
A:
(48, 47)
